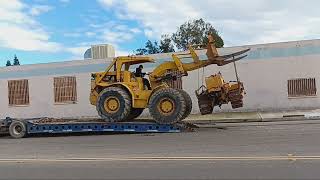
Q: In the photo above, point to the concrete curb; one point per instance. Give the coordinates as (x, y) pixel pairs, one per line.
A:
(253, 117)
(217, 121)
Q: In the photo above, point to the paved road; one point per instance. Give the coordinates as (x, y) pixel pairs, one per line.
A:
(232, 151)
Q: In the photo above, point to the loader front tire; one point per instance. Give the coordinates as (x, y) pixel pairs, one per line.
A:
(114, 104)
(188, 101)
(167, 106)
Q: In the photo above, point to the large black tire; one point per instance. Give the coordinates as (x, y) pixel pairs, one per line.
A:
(118, 112)
(205, 104)
(205, 109)
(18, 129)
(159, 111)
(188, 101)
(135, 112)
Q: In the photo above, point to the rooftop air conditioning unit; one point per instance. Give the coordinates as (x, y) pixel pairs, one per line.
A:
(102, 51)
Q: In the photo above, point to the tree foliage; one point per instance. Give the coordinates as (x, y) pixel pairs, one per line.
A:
(150, 48)
(193, 32)
(16, 61)
(165, 46)
(8, 63)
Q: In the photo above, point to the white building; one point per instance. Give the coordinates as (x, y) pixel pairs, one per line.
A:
(277, 76)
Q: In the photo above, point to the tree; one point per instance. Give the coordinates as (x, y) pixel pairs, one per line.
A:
(154, 47)
(141, 51)
(150, 48)
(166, 44)
(16, 61)
(195, 32)
(8, 63)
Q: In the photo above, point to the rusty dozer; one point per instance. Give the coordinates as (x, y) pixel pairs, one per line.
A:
(216, 91)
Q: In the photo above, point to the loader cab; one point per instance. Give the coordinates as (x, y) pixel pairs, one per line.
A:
(119, 72)
(122, 67)
(119, 69)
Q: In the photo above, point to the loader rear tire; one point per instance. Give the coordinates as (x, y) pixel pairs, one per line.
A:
(188, 101)
(167, 106)
(18, 129)
(114, 104)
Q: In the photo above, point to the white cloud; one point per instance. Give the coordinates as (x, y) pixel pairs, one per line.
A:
(135, 30)
(11, 12)
(149, 33)
(64, 1)
(158, 17)
(77, 52)
(72, 34)
(90, 34)
(20, 31)
(15, 37)
(115, 37)
(39, 9)
(107, 3)
(239, 22)
(119, 52)
(112, 32)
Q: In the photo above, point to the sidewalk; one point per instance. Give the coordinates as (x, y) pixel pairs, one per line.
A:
(235, 117)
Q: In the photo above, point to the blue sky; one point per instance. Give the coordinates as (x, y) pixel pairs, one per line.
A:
(72, 26)
(41, 31)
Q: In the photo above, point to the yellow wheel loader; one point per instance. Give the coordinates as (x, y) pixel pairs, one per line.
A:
(121, 96)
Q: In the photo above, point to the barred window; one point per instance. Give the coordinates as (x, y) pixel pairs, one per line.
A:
(18, 92)
(302, 87)
(65, 89)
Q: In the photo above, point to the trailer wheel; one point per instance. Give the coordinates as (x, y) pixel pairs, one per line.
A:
(18, 129)
(167, 106)
(114, 104)
(188, 101)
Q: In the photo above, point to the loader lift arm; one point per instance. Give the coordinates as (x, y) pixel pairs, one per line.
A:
(162, 72)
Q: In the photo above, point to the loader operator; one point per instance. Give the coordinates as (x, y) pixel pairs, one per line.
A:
(139, 73)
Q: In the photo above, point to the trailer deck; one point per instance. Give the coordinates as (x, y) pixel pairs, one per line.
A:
(22, 128)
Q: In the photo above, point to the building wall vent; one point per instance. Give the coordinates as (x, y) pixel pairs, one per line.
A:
(302, 87)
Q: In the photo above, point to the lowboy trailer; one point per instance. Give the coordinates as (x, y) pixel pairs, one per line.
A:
(22, 128)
